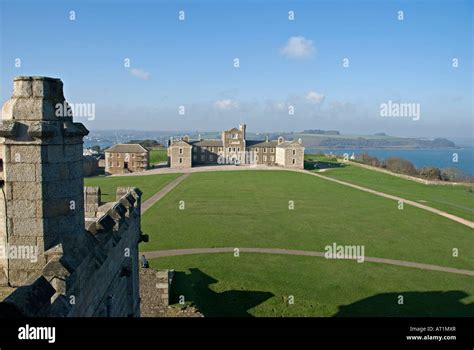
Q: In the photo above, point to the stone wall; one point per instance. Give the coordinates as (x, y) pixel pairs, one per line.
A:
(91, 166)
(103, 283)
(43, 173)
(290, 155)
(179, 154)
(92, 201)
(81, 267)
(155, 288)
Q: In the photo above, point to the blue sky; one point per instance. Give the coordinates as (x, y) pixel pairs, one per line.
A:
(282, 63)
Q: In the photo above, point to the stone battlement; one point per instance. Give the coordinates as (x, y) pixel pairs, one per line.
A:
(67, 254)
(108, 264)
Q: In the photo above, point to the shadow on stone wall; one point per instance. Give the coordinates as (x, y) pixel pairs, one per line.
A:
(232, 303)
(416, 304)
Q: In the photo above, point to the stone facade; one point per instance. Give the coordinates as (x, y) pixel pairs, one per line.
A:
(234, 148)
(290, 154)
(179, 154)
(126, 158)
(76, 266)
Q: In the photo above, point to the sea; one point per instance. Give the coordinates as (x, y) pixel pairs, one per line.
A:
(440, 158)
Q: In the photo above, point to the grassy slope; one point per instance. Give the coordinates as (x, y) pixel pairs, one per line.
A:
(250, 209)
(259, 285)
(158, 156)
(149, 184)
(452, 199)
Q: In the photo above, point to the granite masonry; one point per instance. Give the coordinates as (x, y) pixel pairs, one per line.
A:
(62, 251)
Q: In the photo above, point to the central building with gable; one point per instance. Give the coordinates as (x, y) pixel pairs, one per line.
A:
(234, 148)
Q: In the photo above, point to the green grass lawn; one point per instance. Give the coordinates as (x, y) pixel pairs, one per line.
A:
(158, 156)
(251, 209)
(261, 285)
(456, 200)
(149, 184)
(319, 158)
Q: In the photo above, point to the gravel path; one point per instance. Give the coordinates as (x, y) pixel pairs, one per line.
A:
(179, 252)
(163, 192)
(405, 201)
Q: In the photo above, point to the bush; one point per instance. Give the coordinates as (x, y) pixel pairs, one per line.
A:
(400, 165)
(369, 160)
(431, 173)
(456, 175)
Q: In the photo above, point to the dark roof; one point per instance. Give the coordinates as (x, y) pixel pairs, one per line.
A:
(260, 143)
(127, 148)
(207, 143)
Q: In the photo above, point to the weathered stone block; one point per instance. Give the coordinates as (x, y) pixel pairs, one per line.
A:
(56, 153)
(28, 226)
(26, 154)
(26, 190)
(58, 207)
(47, 87)
(63, 189)
(22, 87)
(20, 172)
(22, 209)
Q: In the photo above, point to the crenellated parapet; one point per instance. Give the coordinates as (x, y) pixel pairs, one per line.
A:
(105, 281)
(79, 256)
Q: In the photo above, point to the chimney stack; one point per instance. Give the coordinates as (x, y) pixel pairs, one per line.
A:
(41, 151)
(243, 128)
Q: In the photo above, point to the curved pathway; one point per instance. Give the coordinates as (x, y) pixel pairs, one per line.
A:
(407, 201)
(179, 252)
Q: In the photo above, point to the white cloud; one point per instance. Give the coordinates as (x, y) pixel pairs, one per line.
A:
(314, 97)
(140, 73)
(226, 104)
(281, 106)
(298, 47)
